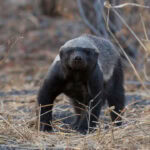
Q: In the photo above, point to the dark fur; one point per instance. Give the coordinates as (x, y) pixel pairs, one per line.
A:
(78, 74)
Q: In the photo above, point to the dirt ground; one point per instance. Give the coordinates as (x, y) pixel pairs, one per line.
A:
(29, 41)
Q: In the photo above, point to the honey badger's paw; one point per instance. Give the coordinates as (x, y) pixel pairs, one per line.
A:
(45, 128)
(83, 127)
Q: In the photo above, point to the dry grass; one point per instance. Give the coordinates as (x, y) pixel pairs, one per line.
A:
(17, 128)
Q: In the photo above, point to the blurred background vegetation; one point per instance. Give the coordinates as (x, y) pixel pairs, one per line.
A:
(31, 33)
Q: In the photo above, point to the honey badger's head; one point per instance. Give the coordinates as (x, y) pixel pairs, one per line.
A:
(79, 54)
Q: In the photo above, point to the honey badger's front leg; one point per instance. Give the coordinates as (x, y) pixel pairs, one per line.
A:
(51, 87)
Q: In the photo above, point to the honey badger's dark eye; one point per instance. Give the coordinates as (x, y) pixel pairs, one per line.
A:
(69, 51)
(88, 51)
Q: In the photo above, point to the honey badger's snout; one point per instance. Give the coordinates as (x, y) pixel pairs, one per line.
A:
(78, 61)
(77, 58)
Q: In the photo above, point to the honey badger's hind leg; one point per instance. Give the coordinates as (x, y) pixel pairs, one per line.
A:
(115, 92)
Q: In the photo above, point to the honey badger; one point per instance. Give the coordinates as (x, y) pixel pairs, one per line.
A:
(88, 69)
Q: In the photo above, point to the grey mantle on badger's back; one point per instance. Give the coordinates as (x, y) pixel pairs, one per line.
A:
(88, 69)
